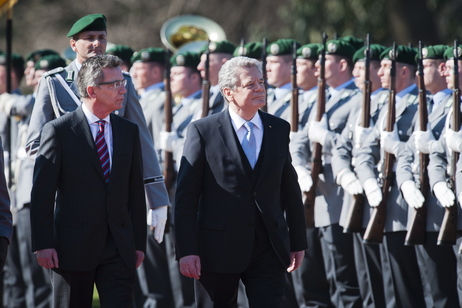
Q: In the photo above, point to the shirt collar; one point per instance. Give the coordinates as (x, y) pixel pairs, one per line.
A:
(239, 122)
(91, 118)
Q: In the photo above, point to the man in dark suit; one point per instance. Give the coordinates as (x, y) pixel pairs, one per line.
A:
(239, 216)
(90, 160)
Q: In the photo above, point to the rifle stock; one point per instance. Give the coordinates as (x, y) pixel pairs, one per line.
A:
(448, 231)
(263, 67)
(316, 162)
(354, 218)
(206, 85)
(417, 226)
(169, 170)
(375, 227)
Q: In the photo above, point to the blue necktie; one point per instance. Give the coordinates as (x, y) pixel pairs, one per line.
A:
(102, 149)
(249, 145)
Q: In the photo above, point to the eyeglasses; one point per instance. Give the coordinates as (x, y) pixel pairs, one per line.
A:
(116, 84)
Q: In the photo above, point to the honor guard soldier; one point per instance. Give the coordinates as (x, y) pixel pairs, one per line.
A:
(31, 59)
(57, 94)
(219, 53)
(278, 73)
(125, 53)
(402, 282)
(439, 168)
(439, 262)
(367, 258)
(337, 247)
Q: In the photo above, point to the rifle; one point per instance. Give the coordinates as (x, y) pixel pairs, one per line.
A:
(375, 227)
(354, 219)
(316, 163)
(448, 231)
(169, 170)
(206, 84)
(294, 100)
(416, 230)
(263, 67)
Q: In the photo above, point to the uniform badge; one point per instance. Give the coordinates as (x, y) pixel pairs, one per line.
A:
(145, 56)
(212, 46)
(458, 54)
(274, 49)
(180, 60)
(424, 53)
(242, 51)
(332, 48)
(306, 52)
(43, 63)
(392, 55)
(2, 59)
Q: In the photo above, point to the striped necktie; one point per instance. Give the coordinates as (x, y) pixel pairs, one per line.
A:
(102, 149)
(249, 144)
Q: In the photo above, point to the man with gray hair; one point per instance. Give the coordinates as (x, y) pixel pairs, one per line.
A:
(90, 159)
(239, 213)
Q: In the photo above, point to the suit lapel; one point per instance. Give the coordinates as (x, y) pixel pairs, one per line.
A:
(81, 128)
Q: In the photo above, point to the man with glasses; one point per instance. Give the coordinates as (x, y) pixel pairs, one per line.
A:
(58, 95)
(90, 159)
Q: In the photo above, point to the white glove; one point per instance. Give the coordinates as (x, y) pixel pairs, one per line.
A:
(373, 192)
(389, 141)
(424, 141)
(444, 194)
(304, 178)
(361, 134)
(159, 219)
(412, 195)
(454, 140)
(317, 131)
(349, 182)
(167, 140)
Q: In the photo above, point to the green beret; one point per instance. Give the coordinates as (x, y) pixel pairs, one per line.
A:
(449, 53)
(251, 50)
(357, 43)
(17, 60)
(49, 62)
(281, 47)
(340, 48)
(92, 22)
(432, 52)
(219, 47)
(187, 58)
(309, 51)
(36, 55)
(151, 54)
(123, 52)
(376, 51)
(404, 55)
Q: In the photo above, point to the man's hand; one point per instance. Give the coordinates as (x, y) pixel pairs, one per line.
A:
(373, 192)
(167, 140)
(190, 266)
(454, 140)
(412, 195)
(424, 141)
(317, 131)
(296, 259)
(444, 194)
(304, 178)
(349, 182)
(47, 258)
(390, 141)
(158, 221)
(139, 257)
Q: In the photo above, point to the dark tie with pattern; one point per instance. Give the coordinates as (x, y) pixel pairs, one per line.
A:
(102, 149)
(249, 144)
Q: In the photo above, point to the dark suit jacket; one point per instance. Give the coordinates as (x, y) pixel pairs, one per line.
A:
(68, 167)
(216, 202)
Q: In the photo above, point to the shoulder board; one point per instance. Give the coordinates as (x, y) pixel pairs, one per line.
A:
(126, 74)
(54, 71)
(412, 99)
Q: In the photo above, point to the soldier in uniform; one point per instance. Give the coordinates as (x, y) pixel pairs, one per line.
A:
(402, 282)
(439, 170)
(278, 73)
(367, 257)
(337, 247)
(438, 262)
(57, 94)
(219, 53)
(125, 53)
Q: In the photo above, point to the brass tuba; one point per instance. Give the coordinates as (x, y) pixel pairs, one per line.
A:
(190, 33)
